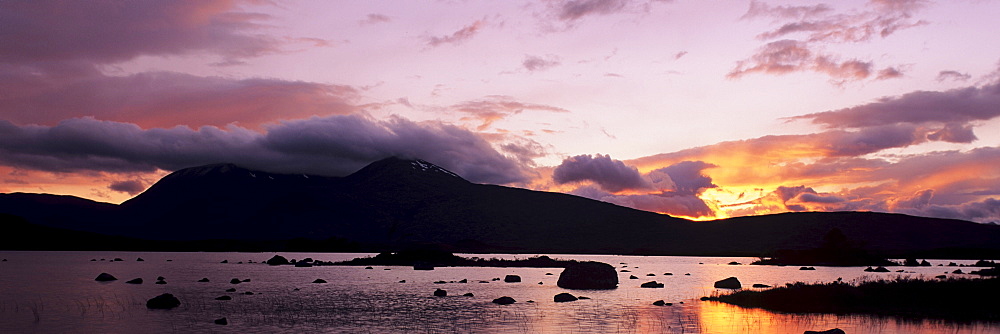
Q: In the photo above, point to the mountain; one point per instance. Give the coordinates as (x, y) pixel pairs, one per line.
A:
(396, 203)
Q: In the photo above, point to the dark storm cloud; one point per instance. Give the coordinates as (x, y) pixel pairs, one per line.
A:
(611, 175)
(336, 145)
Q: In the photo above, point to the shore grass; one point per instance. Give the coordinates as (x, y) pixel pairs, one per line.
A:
(960, 299)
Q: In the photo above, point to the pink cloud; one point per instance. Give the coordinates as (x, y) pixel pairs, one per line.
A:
(496, 107)
(375, 19)
(572, 10)
(788, 56)
(458, 37)
(157, 99)
(109, 31)
(611, 175)
(952, 76)
(131, 187)
(536, 63)
(953, 106)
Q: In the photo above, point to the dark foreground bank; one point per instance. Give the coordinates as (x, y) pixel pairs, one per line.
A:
(951, 299)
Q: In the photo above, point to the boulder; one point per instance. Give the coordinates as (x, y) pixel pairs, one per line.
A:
(651, 284)
(729, 283)
(223, 298)
(668, 274)
(504, 300)
(135, 281)
(957, 271)
(160, 278)
(564, 297)
(829, 331)
(139, 259)
(160, 282)
(440, 293)
(659, 303)
(105, 277)
(163, 302)
(464, 281)
(234, 281)
(469, 294)
(588, 275)
(224, 261)
(632, 277)
(231, 290)
(203, 280)
(512, 279)
(221, 321)
(319, 281)
(650, 274)
(369, 268)
(734, 263)
(277, 260)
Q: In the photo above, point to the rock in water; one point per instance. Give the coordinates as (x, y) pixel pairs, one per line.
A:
(105, 277)
(222, 321)
(588, 275)
(504, 300)
(564, 297)
(651, 284)
(729, 283)
(135, 281)
(277, 260)
(223, 298)
(203, 280)
(659, 303)
(163, 302)
(829, 331)
(235, 281)
(512, 279)
(319, 281)
(440, 293)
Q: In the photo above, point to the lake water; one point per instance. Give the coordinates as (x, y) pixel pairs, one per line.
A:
(55, 292)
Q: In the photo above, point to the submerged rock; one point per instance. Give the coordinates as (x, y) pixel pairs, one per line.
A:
(729, 283)
(105, 277)
(564, 297)
(588, 275)
(504, 300)
(163, 302)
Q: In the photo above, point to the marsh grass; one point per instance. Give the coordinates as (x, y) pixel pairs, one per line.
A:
(958, 299)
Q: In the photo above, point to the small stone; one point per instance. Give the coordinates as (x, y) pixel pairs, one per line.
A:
(504, 300)
(105, 277)
(564, 297)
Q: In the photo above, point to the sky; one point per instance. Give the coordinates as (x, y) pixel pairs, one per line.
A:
(697, 109)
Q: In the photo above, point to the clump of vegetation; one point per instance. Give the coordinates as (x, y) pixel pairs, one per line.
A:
(953, 299)
(835, 250)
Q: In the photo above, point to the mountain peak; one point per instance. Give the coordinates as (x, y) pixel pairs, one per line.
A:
(398, 167)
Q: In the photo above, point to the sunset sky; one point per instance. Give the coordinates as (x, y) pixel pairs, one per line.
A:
(699, 109)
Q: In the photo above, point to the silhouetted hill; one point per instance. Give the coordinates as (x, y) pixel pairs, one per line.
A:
(396, 203)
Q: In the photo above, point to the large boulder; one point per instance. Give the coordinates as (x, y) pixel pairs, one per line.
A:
(651, 284)
(105, 277)
(277, 260)
(440, 293)
(729, 283)
(512, 278)
(588, 275)
(163, 302)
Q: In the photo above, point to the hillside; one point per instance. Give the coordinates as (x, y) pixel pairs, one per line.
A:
(396, 203)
